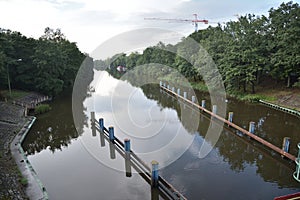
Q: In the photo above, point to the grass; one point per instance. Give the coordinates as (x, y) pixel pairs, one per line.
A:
(22, 179)
(15, 94)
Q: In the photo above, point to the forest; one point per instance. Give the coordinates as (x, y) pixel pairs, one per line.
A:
(48, 65)
(254, 51)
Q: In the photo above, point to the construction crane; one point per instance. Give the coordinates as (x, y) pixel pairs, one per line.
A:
(194, 21)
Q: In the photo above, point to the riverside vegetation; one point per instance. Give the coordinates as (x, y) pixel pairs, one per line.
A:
(256, 56)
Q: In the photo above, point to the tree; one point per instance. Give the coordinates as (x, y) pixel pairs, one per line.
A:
(284, 34)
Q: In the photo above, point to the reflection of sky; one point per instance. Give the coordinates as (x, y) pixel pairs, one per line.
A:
(156, 133)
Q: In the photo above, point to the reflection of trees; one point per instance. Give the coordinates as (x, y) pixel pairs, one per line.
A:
(239, 152)
(56, 129)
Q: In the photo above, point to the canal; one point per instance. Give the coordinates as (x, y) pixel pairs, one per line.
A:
(73, 164)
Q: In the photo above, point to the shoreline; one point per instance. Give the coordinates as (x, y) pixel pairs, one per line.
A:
(35, 189)
(16, 178)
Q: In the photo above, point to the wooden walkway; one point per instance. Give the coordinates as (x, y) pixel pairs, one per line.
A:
(251, 135)
(31, 100)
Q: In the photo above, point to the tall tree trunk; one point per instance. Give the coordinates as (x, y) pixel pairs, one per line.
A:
(253, 87)
(288, 81)
(244, 87)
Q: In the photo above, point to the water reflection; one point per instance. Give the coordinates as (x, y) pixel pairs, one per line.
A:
(55, 129)
(236, 166)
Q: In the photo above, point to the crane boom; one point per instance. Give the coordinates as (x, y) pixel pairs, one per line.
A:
(194, 21)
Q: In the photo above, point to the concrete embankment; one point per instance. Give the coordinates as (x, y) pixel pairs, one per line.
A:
(13, 129)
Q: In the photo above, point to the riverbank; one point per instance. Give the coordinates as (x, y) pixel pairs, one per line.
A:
(18, 179)
(12, 184)
(278, 94)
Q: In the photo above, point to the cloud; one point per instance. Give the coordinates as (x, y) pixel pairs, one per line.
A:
(90, 22)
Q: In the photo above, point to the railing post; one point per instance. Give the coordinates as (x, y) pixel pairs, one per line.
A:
(173, 89)
(185, 95)
(178, 91)
(160, 83)
(111, 133)
(154, 174)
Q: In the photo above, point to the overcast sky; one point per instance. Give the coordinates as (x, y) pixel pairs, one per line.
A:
(91, 22)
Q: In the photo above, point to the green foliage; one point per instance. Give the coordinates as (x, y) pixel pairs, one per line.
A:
(42, 108)
(47, 65)
(246, 52)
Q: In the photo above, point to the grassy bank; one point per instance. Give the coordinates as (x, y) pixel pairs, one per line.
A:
(280, 95)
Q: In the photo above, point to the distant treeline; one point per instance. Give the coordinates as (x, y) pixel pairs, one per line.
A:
(247, 52)
(47, 65)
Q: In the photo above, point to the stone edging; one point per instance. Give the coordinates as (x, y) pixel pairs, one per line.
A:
(35, 188)
(287, 110)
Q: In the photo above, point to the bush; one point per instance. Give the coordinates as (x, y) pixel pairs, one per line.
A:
(42, 108)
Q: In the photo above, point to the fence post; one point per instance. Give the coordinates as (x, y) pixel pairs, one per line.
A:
(178, 91)
(185, 95)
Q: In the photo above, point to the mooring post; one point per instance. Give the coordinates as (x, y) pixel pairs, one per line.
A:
(286, 144)
(127, 145)
(178, 91)
(230, 117)
(193, 99)
(214, 109)
(252, 127)
(101, 124)
(203, 103)
(93, 117)
(112, 150)
(127, 165)
(111, 133)
(185, 95)
(102, 139)
(154, 174)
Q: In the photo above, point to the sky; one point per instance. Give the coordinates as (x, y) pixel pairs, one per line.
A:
(92, 22)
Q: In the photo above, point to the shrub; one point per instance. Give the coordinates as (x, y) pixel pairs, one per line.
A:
(42, 108)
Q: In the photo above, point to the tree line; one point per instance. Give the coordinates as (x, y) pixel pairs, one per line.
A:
(249, 52)
(48, 65)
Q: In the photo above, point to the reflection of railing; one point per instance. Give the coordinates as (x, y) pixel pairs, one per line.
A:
(229, 122)
(159, 186)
